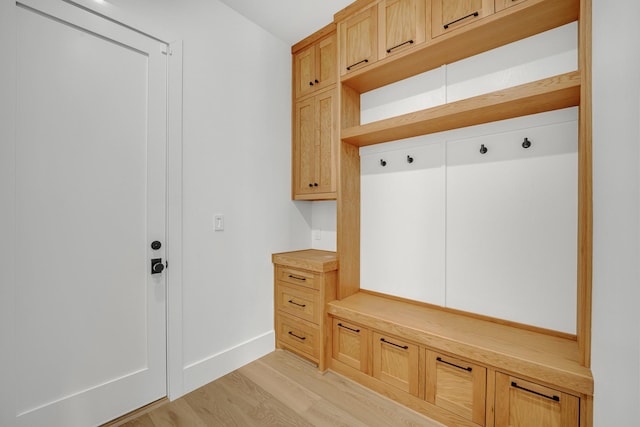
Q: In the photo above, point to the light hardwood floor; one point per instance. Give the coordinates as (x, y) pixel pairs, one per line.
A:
(281, 389)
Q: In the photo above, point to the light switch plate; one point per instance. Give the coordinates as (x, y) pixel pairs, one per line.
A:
(218, 222)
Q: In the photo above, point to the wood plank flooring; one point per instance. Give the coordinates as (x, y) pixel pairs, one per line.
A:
(281, 389)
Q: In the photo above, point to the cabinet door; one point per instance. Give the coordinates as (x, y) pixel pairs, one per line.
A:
(305, 71)
(358, 40)
(326, 72)
(350, 344)
(401, 25)
(503, 4)
(449, 15)
(326, 142)
(457, 386)
(395, 362)
(304, 147)
(521, 403)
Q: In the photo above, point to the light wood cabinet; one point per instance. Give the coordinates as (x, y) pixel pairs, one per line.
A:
(521, 403)
(305, 281)
(358, 40)
(395, 362)
(315, 67)
(351, 344)
(503, 4)
(448, 15)
(401, 25)
(456, 385)
(315, 147)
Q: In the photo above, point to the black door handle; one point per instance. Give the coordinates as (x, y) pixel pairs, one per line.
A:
(157, 266)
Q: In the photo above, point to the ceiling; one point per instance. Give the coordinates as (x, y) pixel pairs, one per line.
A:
(289, 20)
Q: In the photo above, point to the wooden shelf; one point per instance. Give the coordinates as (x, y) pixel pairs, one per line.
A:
(554, 360)
(548, 94)
(515, 23)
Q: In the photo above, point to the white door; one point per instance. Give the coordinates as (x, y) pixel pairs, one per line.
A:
(90, 200)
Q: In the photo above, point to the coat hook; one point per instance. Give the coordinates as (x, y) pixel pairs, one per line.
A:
(526, 143)
(483, 149)
(409, 159)
(383, 162)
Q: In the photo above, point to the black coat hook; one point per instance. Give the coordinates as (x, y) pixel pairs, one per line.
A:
(483, 149)
(526, 143)
(383, 162)
(409, 159)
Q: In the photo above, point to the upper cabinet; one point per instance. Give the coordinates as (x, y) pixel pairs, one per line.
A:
(358, 40)
(401, 25)
(448, 15)
(315, 66)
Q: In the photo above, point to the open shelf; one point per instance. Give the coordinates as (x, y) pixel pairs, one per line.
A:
(548, 94)
(515, 23)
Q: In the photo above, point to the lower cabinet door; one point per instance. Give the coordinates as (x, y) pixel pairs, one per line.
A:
(395, 362)
(350, 344)
(457, 386)
(521, 403)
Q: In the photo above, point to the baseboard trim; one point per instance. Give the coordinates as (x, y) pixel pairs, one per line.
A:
(215, 366)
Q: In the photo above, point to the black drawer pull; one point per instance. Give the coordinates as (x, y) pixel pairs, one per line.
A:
(460, 19)
(351, 329)
(295, 303)
(554, 397)
(357, 63)
(294, 335)
(404, 347)
(291, 276)
(468, 368)
(399, 45)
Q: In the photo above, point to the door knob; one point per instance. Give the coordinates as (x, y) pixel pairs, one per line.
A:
(157, 266)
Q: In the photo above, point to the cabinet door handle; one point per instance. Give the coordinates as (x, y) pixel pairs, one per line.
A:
(299, 337)
(404, 347)
(351, 329)
(357, 63)
(291, 276)
(468, 368)
(399, 45)
(554, 397)
(295, 303)
(460, 19)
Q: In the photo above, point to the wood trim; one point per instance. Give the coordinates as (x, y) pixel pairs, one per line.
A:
(548, 94)
(585, 188)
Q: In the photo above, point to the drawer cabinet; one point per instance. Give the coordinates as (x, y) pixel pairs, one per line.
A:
(521, 403)
(304, 281)
(395, 362)
(457, 386)
(350, 344)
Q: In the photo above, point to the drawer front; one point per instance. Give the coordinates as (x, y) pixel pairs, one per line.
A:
(457, 386)
(395, 362)
(298, 277)
(526, 404)
(299, 302)
(350, 344)
(299, 335)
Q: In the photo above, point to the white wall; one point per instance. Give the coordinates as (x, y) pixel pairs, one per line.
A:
(616, 192)
(7, 222)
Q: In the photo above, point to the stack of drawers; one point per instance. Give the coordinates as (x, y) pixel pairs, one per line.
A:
(305, 281)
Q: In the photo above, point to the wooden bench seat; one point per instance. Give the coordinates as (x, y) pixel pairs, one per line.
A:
(549, 358)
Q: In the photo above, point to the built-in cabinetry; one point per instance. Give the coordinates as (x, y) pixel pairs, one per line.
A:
(460, 368)
(315, 117)
(304, 282)
(457, 369)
